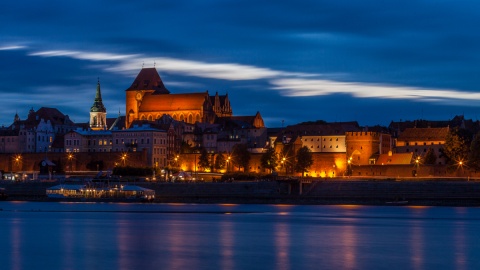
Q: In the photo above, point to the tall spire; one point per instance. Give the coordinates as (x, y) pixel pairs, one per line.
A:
(98, 104)
(98, 113)
(16, 118)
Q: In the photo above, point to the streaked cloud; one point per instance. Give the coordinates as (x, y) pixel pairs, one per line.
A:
(12, 47)
(92, 56)
(130, 63)
(291, 84)
(306, 87)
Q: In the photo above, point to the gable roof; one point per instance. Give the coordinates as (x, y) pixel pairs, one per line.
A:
(148, 79)
(424, 134)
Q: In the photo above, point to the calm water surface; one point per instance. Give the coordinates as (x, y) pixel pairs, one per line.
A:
(185, 236)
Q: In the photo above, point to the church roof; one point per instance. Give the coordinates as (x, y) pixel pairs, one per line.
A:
(148, 79)
(172, 102)
(117, 123)
(98, 104)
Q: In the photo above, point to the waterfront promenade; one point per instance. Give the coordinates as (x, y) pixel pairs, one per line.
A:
(364, 191)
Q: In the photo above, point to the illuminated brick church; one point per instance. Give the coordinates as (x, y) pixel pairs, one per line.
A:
(148, 99)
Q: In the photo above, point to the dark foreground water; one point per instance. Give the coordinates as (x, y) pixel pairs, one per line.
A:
(167, 236)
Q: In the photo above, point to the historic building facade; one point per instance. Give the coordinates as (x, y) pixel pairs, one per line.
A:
(148, 99)
(419, 140)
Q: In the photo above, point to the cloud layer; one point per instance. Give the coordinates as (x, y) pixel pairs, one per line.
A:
(278, 58)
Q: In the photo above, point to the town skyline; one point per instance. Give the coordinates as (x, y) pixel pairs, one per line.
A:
(326, 60)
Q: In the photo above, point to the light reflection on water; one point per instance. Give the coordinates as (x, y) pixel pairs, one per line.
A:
(186, 236)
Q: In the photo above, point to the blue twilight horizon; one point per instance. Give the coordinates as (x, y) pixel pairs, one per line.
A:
(369, 61)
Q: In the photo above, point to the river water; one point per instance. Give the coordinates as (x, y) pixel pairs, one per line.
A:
(45, 235)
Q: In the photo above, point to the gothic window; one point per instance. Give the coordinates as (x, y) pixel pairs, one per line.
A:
(190, 119)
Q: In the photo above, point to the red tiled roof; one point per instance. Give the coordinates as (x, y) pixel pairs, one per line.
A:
(424, 134)
(148, 79)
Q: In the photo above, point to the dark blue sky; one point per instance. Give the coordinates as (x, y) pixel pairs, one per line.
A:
(370, 61)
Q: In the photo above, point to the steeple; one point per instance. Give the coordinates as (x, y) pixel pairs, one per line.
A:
(98, 104)
(98, 113)
(16, 118)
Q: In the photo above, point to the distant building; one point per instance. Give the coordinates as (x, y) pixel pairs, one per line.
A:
(148, 99)
(39, 132)
(364, 148)
(419, 140)
(143, 138)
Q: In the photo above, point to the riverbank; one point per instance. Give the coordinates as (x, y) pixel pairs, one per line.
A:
(324, 192)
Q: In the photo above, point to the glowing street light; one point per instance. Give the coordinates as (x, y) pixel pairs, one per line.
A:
(18, 160)
(228, 161)
(124, 159)
(70, 158)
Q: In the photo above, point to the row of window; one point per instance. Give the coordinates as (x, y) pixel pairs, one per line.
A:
(416, 143)
(324, 139)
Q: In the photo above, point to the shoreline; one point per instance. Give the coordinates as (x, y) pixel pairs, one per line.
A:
(326, 192)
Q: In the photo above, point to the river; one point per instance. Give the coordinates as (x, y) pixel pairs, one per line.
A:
(46, 235)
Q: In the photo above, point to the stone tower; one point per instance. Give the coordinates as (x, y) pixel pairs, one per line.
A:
(98, 113)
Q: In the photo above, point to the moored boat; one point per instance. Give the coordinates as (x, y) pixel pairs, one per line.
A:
(127, 192)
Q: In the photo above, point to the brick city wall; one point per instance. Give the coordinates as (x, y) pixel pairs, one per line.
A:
(78, 162)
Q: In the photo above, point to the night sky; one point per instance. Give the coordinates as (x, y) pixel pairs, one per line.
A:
(370, 61)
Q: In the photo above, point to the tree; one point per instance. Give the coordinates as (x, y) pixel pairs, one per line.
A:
(456, 146)
(269, 159)
(430, 157)
(474, 155)
(186, 148)
(241, 156)
(304, 160)
(220, 162)
(204, 161)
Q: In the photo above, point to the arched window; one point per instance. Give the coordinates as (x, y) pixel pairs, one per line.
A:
(150, 117)
(190, 119)
(197, 118)
(182, 118)
(142, 117)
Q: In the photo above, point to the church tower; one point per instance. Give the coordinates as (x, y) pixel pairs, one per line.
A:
(98, 113)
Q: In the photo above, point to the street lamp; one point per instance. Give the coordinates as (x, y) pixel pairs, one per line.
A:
(284, 164)
(228, 161)
(124, 158)
(70, 157)
(18, 162)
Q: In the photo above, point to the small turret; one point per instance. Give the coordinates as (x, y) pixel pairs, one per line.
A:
(16, 118)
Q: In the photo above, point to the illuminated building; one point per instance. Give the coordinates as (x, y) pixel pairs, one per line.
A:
(419, 140)
(148, 99)
(98, 113)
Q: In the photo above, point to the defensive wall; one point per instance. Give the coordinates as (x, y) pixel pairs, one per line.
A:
(361, 191)
(77, 162)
